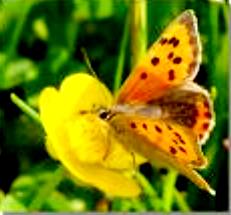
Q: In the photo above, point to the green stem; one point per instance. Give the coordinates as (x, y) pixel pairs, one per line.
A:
(138, 49)
(121, 59)
(151, 193)
(25, 8)
(25, 108)
(138, 38)
(139, 30)
(168, 189)
(149, 190)
(180, 201)
(46, 189)
(138, 205)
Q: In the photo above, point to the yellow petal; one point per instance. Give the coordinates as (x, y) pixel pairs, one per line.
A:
(50, 149)
(50, 109)
(88, 135)
(112, 182)
(83, 143)
(87, 138)
(82, 91)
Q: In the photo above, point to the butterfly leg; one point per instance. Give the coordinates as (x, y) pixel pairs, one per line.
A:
(107, 151)
(134, 163)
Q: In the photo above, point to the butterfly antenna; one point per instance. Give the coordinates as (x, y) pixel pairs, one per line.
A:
(88, 63)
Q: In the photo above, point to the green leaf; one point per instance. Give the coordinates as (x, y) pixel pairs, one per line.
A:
(18, 72)
(2, 195)
(23, 188)
(57, 201)
(23, 182)
(11, 204)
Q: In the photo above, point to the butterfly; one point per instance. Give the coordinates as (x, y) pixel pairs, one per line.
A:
(159, 111)
(159, 115)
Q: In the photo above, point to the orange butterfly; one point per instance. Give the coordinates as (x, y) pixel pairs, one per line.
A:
(159, 115)
(160, 112)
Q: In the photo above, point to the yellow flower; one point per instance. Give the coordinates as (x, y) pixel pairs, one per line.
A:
(81, 141)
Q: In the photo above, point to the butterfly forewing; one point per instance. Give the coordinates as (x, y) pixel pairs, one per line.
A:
(174, 58)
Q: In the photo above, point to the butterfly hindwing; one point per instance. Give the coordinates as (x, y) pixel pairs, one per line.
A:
(165, 136)
(174, 58)
(163, 142)
(190, 106)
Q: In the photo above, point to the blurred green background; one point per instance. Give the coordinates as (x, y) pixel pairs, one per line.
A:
(40, 44)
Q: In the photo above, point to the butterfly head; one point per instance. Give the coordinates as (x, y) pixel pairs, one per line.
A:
(104, 114)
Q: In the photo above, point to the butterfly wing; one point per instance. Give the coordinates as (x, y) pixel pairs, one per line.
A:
(190, 106)
(163, 141)
(161, 113)
(174, 58)
(167, 130)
